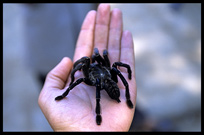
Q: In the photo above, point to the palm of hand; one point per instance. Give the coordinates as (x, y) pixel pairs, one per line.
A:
(77, 111)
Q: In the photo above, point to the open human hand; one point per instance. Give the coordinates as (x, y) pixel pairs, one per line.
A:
(76, 112)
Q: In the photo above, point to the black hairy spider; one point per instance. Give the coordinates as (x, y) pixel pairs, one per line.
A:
(102, 76)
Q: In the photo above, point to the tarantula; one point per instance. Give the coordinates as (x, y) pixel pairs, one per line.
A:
(102, 76)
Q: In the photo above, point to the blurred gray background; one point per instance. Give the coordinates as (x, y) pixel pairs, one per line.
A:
(167, 43)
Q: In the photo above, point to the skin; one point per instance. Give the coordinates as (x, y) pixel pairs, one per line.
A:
(102, 29)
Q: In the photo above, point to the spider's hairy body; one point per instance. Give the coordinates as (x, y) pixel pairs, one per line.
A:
(103, 73)
(99, 73)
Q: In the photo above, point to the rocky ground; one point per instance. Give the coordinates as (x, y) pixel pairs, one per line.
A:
(167, 43)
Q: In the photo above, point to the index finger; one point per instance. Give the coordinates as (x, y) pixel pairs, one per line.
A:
(84, 45)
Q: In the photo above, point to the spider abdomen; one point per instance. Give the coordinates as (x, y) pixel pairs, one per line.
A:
(112, 89)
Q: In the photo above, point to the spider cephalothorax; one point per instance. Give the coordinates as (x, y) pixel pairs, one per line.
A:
(101, 75)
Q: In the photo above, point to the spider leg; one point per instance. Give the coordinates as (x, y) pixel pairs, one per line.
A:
(71, 87)
(83, 64)
(127, 93)
(114, 76)
(98, 108)
(105, 56)
(82, 60)
(77, 67)
(98, 57)
(123, 65)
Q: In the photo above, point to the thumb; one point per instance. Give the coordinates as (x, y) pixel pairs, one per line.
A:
(58, 76)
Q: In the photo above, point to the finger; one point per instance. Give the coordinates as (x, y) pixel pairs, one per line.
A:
(127, 56)
(102, 26)
(57, 77)
(84, 44)
(115, 33)
(127, 50)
